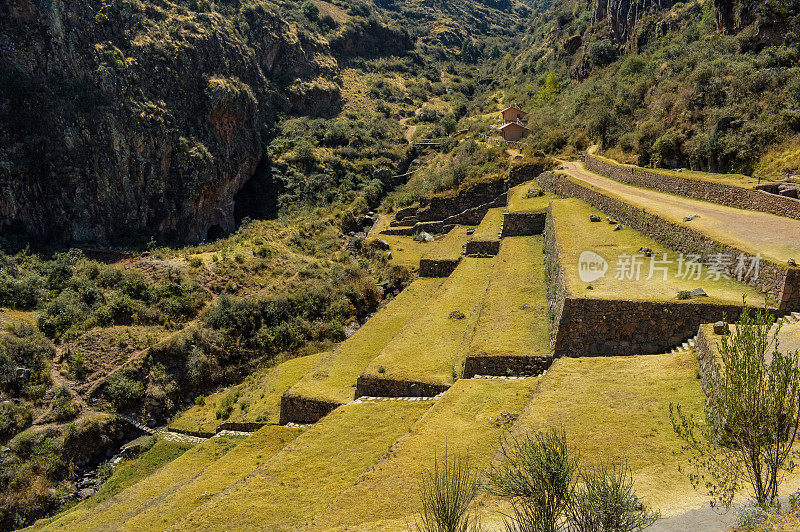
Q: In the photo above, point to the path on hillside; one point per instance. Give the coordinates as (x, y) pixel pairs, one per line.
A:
(775, 237)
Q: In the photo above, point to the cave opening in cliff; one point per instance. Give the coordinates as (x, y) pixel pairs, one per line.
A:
(258, 197)
(215, 232)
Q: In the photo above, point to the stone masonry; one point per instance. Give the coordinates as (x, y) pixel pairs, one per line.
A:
(782, 282)
(756, 199)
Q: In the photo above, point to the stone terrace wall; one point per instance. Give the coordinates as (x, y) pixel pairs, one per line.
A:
(779, 281)
(377, 387)
(591, 327)
(437, 267)
(506, 365)
(753, 199)
(482, 247)
(523, 223)
(297, 409)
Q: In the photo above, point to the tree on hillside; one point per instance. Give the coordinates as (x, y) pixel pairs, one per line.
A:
(752, 415)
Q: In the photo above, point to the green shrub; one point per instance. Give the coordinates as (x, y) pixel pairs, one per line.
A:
(310, 10)
(606, 501)
(123, 390)
(200, 400)
(538, 474)
(225, 408)
(447, 493)
(63, 407)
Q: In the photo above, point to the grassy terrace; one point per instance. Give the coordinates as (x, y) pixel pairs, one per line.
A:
(514, 319)
(113, 512)
(490, 225)
(429, 346)
(334, 379)
(230, 468)
(576, 234)
(125, 475)
(617, 408)
(519, 202)
(301, 479)
(468, 420)
(259, 397)
(407, 252)
(736, 180)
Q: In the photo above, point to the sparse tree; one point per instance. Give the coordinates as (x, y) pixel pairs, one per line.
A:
(751, 417)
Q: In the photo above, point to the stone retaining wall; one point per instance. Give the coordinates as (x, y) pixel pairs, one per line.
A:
(240, 427)
(754, 199)
(377, 387)
(779, 281)
(297, 409)
(523, 223)
(437, 267)
(592, 327)
(707, 352)
(482, 248)
(506, 365)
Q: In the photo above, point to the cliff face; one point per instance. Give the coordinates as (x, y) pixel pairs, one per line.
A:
(625, 14)
(123, 118)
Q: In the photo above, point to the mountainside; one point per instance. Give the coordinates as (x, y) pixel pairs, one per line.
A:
(136, 119)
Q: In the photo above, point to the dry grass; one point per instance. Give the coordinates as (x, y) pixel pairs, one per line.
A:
(112, 513)
(518, 200)
(125, 475)
(260, 393)
(468, 420)
(407, 252)
(304, 476)
(617, 408)
(576, 234)
(334, 379)
(514, 319)
(232, 467)
(490, 225)
(429, 346)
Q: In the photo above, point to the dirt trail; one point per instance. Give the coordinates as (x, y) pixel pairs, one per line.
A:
(775, 237)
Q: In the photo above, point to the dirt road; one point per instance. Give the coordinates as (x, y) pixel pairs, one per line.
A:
(775, 237)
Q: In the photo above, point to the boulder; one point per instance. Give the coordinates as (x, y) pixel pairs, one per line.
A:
(618, 227)
(647, 252)
(457, 315)
(721, 328)
(691, 217)
(611, 221)
(594, 218)
(381, 244)
(698, 292)
(471, 231)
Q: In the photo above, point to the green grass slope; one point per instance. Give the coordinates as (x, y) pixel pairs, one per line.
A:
(334, 379)
(257, 399)
(518, 200)
(513, 321)
(428, 348)
(307, 474)
(112, 513)
(489, 227)
(125, 475)
(232, 467)
(468, 420)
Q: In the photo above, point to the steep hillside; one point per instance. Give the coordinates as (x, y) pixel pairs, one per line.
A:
(132, 119)
(710, 85)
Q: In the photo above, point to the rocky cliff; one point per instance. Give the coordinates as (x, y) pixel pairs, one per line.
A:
(125, 118)
(625, 14)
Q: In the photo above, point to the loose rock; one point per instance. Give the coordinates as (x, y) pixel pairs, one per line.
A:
(618, 227)
(721, 328)
(457, 315)
(594, 218)
(691, 217)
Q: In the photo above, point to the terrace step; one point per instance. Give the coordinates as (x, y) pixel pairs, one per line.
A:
(370, 398)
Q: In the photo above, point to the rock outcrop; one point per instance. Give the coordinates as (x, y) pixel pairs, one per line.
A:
(625, 14)
(127, 118)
